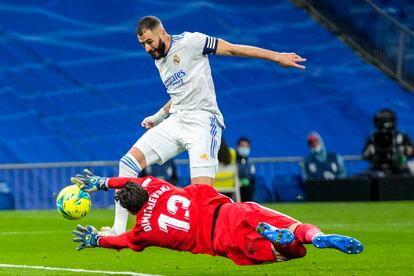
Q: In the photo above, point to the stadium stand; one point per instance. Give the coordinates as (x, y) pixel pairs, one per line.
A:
(79, 83)
(75, 84)
(402, 10)
(382, 30)
(288, 188)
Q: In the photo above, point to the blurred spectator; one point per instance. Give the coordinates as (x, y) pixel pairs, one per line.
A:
(6, 196)
(246, 170)
(226, 154)
(226, 180)
(320, 163)
(166, 171)
(388, 149)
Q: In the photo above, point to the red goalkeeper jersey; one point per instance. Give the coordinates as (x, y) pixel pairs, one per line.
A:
(179, 219)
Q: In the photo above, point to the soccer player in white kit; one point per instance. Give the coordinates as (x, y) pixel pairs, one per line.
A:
(191, 119)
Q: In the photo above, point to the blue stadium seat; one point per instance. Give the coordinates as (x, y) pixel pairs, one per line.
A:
(288, 188)
(79, 83)
(262, 192)
(6, 196)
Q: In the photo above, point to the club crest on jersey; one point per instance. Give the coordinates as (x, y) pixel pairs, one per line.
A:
(176, 59)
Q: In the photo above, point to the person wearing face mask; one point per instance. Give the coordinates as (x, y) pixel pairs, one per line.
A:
(246, 169)
(321, 164)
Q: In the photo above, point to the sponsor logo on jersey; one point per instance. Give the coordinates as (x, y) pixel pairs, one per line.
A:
(175, 81)
(176, 59)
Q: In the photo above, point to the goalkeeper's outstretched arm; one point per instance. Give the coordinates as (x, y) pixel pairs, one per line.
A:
(89, 182)
(88, 237)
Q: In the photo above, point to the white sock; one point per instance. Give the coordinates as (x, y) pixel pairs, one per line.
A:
(121, 219)
(128, 167)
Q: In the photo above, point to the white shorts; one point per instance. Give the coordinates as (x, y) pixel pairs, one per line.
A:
(195, 131)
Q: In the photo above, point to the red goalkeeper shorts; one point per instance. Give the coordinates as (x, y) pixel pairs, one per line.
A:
(235, 235)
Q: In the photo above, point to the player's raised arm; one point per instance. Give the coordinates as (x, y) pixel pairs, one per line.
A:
(225, 48)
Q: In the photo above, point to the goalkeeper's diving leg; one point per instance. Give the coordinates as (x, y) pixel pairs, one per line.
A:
(307, 234)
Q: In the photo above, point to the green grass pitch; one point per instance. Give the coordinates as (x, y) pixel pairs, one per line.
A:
(43, 238)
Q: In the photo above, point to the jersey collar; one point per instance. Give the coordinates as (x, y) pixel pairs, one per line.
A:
(169, 48)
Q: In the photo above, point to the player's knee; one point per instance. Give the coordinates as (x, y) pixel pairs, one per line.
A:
(296, 253)
(129, 166)
(200, 174)
(300, 251)
(297, 250)
(293, 250)
(138, 155)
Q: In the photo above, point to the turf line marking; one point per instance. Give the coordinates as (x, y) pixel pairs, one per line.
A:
(75, 270)
(365, 225)
(30, 233)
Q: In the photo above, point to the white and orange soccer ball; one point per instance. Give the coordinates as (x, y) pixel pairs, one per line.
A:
(73, 203)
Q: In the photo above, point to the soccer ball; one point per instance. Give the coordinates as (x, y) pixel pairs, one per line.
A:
(73, 203)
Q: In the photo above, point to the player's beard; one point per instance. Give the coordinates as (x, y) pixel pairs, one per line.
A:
(160, 50)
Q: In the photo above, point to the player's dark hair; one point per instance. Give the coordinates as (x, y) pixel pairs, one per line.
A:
(132, 196)
(224, 155)
(149, 22)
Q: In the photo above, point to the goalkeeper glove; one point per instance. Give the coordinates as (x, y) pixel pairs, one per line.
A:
(89, 182)
(88, 237)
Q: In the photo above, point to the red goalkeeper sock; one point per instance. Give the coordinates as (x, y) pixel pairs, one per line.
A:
(306, 232)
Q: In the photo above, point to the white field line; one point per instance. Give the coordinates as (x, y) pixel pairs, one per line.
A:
(74, 270)
(367, 225)
(31, 233)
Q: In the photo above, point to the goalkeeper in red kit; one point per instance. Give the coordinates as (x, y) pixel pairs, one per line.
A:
(198, 219)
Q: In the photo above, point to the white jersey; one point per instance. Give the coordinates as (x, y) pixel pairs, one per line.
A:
(186, 74)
